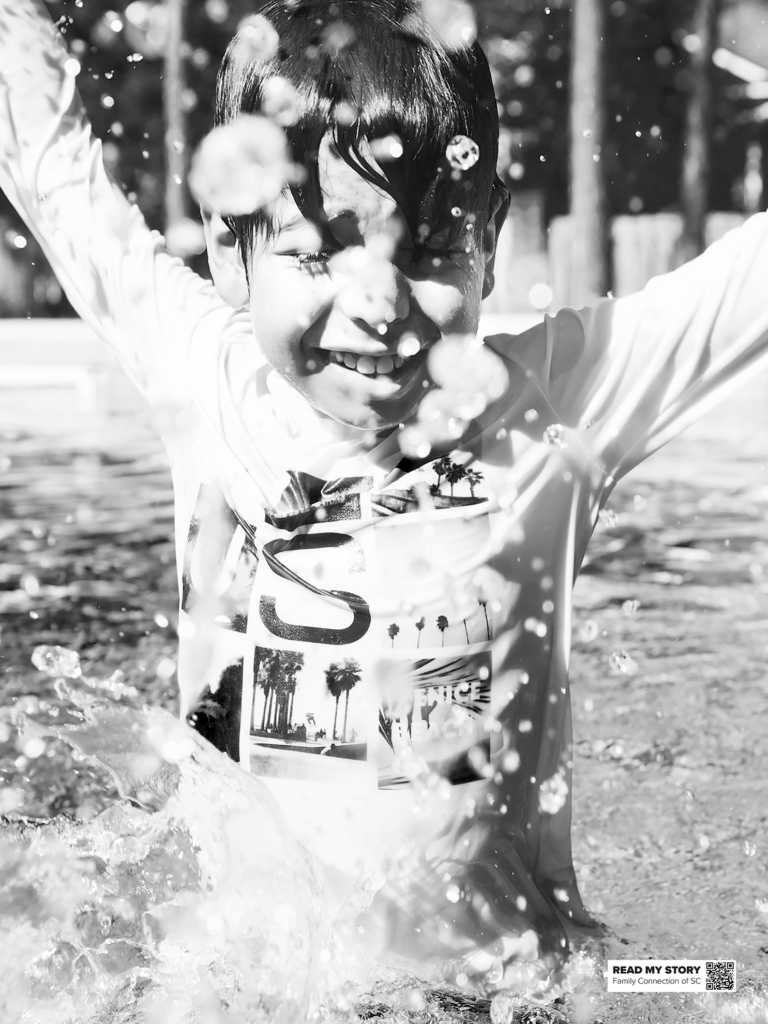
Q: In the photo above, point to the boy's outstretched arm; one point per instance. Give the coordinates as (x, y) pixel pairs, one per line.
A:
(115, 272)
(629, 374)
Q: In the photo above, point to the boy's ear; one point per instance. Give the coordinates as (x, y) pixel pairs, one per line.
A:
(500, 199)
(225, 260)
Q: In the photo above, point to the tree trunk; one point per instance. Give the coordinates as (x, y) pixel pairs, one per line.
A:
(346, 711)
(175, 119)
(694, 198)
(587, 121)
(335, 717)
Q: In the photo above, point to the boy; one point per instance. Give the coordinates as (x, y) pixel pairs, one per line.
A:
(382, 638)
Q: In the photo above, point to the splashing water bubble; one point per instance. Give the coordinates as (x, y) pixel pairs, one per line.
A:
(451, 21)
(622, 663)
(630, 607)
(387, 148)
(337, 36)
(241, 166)
(556, 436)
(146, 27)
(462, 152)
(608, 519)
(364, 277)
(553, 794)
(281, 101)
(185, 238)
(207, 901)
(257, 39)
(464, 367)
(345, 113)
(589, 631)
(57, 661)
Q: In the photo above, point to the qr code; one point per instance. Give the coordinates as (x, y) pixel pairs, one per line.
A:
(720, 975)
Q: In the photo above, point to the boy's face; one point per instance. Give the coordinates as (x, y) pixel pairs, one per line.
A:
(357, 347)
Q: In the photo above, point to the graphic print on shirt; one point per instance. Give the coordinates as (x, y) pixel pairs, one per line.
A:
(358, 648)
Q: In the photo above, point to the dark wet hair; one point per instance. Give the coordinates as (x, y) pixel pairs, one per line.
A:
(402, 81)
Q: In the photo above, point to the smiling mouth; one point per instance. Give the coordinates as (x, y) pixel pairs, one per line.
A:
(371, 366)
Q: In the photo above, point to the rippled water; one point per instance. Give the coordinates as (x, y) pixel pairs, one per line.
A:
(670, 700)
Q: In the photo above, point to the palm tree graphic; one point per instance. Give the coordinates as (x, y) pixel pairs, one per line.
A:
(454, 474)
(484, 605)
(474, 476)
(441, 467)
(393, 630)
(341, 678)
(276, 675)
(419, 625)
(442, 625)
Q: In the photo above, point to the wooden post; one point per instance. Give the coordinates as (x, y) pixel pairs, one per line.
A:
(174, 81)
(694, 195)
(587, 124)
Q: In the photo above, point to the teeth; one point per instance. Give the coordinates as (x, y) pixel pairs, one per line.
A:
(369, 365)
(365, 364)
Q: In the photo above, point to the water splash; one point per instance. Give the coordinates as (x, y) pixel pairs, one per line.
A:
(188, 898)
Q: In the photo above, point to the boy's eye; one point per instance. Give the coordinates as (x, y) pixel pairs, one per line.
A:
(312, 259)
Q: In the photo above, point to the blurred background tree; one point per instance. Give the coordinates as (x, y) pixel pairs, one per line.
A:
(650, 70)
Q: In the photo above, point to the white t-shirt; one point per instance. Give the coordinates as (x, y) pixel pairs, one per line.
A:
(356, 629)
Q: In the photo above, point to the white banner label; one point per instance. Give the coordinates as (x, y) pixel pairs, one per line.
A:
(670, 975)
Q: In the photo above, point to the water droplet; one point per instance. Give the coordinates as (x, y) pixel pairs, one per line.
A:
(161, 620)
(462, 152)
(281, 101)
(608, 519)
(256, 40)
(165, 668)
(553, 794)
(630, 607)
(57, 661)
(536, 626)
(452, 21)
(749, 848)
(217, 10)
(32, 747)
(241, 166)
(621, 662)
(589, 631)
(30, 584)
(387, 148)
(453, 893)
(11, 798)
(185, 238)
(555, 435)
(72, 66)
(525, 725)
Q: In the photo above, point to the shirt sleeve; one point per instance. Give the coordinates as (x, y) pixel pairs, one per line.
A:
(145, 303)
(631, 373)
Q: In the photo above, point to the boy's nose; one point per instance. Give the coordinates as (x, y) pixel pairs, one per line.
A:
(377, 299)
